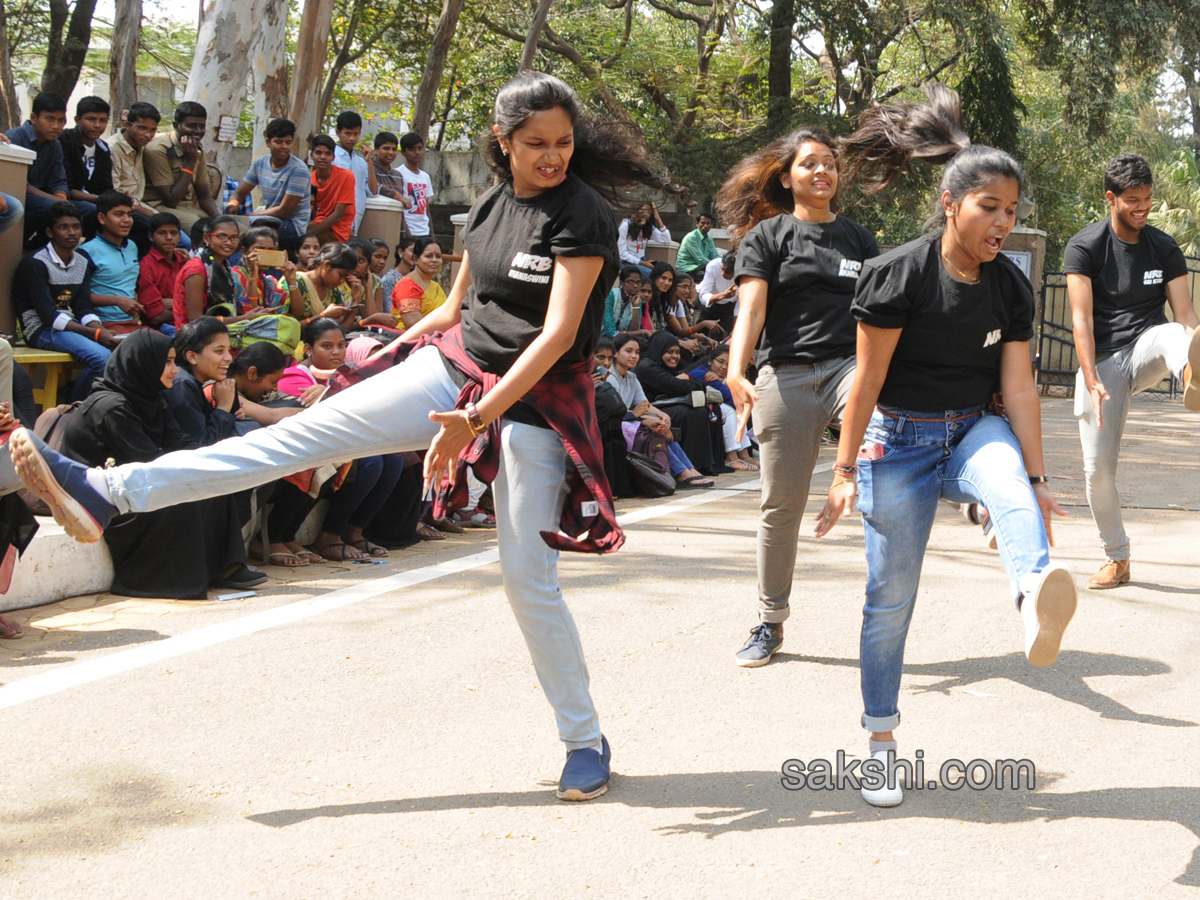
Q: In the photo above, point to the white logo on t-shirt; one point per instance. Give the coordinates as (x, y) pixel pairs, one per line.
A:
(533, 263)
(849, 268)
(992, 338)
(1152, 276)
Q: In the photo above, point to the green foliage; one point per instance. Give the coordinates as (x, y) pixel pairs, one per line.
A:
(1177, 200)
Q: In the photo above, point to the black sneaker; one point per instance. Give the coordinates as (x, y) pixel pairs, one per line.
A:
(765, 639)
(243, 577)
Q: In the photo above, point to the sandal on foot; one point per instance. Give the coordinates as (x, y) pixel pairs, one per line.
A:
(742, 465)
(367, 547)
(310, 556)
(428, 533)
(341, 548)
(696, 481)
(287, 559)
(9, 631)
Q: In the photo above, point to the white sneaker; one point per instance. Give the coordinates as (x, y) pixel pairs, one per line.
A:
(885, 795)
(1047, 608)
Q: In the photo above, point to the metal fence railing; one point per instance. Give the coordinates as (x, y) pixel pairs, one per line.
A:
(1056, 361)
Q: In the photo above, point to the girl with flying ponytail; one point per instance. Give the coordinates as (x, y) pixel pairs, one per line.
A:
(943, 322)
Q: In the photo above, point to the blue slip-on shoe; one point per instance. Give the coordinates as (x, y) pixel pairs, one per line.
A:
(765, 639)
(62, 484)
(585, 774)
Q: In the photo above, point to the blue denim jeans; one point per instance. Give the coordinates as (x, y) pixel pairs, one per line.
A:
(37, 214)
(389, 413)
(92, 355)
(12, 215)
(905, 467)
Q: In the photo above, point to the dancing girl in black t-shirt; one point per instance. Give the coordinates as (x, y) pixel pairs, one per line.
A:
(797, 263)
(502, 380)
(941, 321)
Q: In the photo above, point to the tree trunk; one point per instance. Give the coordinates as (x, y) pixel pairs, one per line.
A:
(269, 72)
(221, 66)
(535, 32)
(779, 71)
(10, 112)
(312, 44)
(431, 79)
(65, 55)
(122, 57)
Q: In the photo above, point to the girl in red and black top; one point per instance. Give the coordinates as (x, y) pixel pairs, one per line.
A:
(504, 380)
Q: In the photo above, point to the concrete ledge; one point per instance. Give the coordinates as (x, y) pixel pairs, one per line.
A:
(56, 567)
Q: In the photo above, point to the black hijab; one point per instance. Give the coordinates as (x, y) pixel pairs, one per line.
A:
(658, 379)
(135, 372)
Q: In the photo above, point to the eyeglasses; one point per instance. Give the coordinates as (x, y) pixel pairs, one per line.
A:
(142, 129)
(220, 235)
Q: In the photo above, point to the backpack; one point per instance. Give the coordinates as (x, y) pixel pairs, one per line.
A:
(50, 428)
(282, 331)
(650, 464)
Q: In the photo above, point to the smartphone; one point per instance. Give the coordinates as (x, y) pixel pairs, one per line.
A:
(272, 258)
(368, 562)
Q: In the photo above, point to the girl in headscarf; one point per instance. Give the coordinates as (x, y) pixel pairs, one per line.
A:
(665, 382)
(176, 552)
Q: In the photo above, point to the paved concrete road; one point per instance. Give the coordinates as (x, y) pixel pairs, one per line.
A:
(392, 741)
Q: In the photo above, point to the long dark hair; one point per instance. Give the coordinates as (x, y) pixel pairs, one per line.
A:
(753, 191)
(890, 137)
(661, 304)
(646, 228)
(607, 155)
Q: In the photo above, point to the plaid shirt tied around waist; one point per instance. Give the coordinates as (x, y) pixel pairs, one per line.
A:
(564, 397)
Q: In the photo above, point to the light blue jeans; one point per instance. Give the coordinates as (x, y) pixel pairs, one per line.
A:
(389, 413)
(1158, 352)
(905, 467)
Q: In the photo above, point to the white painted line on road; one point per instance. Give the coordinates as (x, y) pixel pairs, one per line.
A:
(76, 674)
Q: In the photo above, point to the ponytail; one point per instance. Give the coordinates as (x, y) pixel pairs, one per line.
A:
(890, 137)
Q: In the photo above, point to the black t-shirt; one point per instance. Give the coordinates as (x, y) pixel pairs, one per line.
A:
(810, 269)
(948, 355)
(1129, 281)
(513, 242)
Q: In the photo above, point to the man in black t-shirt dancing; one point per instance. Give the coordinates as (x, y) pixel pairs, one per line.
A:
(1120, 273)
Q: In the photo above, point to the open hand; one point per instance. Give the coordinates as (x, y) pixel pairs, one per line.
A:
(452, 438)
(1047, 504)
(840, 502)
(744, 398)
(1098, 395)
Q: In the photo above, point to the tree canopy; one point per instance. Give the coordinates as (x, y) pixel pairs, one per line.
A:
(1064, 84)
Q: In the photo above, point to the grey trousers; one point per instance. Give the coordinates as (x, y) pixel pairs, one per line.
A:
(795, 404)
(1158, 352)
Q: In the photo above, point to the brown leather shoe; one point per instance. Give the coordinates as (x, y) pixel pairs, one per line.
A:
(1114, 573)
(1191, 383)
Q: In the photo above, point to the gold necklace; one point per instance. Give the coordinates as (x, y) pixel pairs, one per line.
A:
(959, 272)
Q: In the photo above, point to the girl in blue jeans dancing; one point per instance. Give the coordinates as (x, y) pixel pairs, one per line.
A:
(942, 321)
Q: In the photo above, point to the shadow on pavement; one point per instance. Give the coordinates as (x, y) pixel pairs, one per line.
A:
(752, 801)
(1064, 680)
